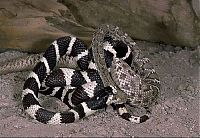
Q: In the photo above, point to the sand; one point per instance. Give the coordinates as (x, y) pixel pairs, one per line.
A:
(177, 114)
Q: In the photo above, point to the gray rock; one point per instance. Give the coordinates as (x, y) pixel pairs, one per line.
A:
(160, 21)
(196, 7)
(31, 25)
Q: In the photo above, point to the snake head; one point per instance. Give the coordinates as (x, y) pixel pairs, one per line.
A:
(102, 98)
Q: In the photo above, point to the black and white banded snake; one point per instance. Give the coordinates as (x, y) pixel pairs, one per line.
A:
(84, 90)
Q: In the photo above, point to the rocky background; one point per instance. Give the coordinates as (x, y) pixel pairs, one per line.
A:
(30, 25)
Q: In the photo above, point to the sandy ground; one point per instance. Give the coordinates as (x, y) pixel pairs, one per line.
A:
(176, 115)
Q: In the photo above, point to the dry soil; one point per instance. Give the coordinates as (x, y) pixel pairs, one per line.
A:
(177, 114)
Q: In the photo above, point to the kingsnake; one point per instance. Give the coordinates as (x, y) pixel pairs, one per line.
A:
(82, 89)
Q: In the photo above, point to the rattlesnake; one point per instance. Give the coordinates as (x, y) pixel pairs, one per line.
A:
(126, 77)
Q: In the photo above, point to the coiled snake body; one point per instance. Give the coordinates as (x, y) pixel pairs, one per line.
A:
(119, 76)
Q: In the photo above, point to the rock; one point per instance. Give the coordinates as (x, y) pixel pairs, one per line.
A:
(23, 24)
(181, 87)
(156, 20)
(196, 7)
(191, 89)
(31, 25)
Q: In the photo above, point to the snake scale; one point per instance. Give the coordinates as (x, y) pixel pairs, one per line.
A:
(111, 72)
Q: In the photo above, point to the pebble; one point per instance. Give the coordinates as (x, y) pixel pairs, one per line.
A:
(3, 97)
(191, 89)
(16, 126)
(165, 54)
(181, 87)
(169, 48)
(177, 48)
(172, 106)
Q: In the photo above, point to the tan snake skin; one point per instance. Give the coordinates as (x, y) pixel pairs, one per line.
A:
(139, 84)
